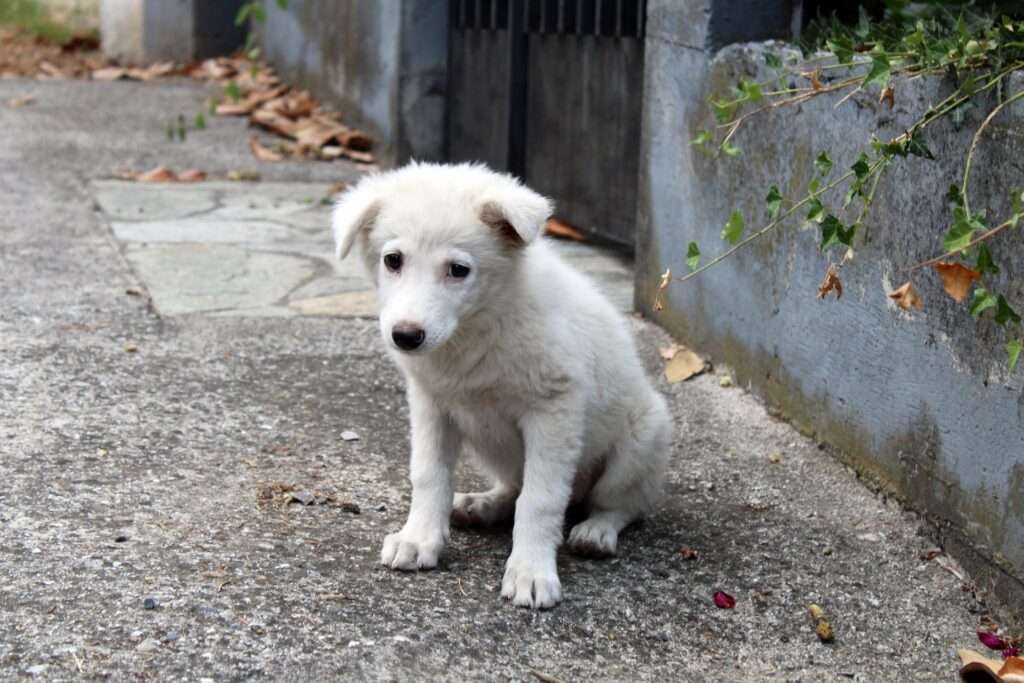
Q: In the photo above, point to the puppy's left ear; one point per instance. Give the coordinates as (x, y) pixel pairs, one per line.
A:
(354, 214)
(516, 212)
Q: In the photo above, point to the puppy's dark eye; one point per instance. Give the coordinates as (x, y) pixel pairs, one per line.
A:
(393, 261)
(458, 270)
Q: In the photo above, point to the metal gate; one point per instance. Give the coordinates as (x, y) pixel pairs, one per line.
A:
(550, 90)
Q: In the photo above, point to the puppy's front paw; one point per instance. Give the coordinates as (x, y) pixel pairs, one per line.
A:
(410, 550)
(531, 584)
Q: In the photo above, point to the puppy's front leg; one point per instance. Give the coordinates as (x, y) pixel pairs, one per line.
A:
(553, 442)
(435, 447)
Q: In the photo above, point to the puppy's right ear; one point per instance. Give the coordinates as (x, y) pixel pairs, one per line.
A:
(354, 214)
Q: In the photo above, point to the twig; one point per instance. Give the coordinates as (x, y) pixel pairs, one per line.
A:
(977, 240)
(546, 678)
(974, 145)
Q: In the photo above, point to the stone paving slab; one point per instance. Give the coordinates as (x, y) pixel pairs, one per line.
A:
(263, 250)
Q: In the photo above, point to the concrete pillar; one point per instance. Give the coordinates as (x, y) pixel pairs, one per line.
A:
(139, 31)
(382, 65)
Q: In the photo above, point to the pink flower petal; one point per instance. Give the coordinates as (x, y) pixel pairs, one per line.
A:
(1011, 652)
(991, 640)
(725, 601)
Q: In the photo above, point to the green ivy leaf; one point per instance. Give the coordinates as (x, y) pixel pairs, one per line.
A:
(200, 121)
(1013, 350)
(703, 138)
(282, 4)
(880, 72)
(985, 264)
(960, 235)
(730, 149)
(233, 91)
(692, 256)
(1004, 313)
(813, 186)
(752, 91)
(724, 110)
(773, 202)
(823, 163)
(983, 300)
(251, 10)
(733, 228)
(772, 60)
(861, 167)
(833, 232)
(817, 211)
(842, 48)
(1017, 202)
(916, 147)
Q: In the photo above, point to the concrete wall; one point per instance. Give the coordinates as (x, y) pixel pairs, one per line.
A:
(381, 64)
(143, 31)
(920, 403)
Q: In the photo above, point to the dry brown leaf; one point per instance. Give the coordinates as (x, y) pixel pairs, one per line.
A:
(815, 78)
(831, 283)
(906, 297)
(274, 122)
(21, 100)
(317, 131)
(360, 157)
(249, 103)
(217, 69)
(192, 175)
(262, 152)
(109, 73)
(956, 279)
(562, 230)
(52, 71)
(1009, 671)
(160, 174)
(684, 365)
(888, 96)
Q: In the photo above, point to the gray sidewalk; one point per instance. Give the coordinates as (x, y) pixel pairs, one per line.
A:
(162, 446)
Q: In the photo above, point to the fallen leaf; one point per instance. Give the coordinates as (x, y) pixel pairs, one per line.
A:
(562, 230)
(888, 96)
(815, 78)
(192, 175)
(816, 611)
(361, 157)
(688, 553)
(775, 458)
(160, 174)
(109, 73)
(282, 125)
(130, 348)
(824, 631)
(1009, 671)
(831, 283)
(51, 70)
(261, 152)
(724, 600)
(725, 381)
(956, 279)
(21, 100)
(545, 678)
(684, 365)
(991, 640)
(906, 297)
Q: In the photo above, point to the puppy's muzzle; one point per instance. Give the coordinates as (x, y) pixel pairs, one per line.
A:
(408, 336)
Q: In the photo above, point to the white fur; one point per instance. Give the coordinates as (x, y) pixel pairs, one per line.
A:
(525, 366)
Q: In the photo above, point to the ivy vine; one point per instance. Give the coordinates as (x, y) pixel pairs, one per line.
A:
(978, 48)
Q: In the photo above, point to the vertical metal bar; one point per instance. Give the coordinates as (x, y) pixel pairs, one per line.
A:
(494, 15)
(477, 20)
(618, 18)
(519, 44)
(641, 19)
(560, 28)
(597, 16)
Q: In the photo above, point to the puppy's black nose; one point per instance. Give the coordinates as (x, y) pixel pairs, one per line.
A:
(408, 336)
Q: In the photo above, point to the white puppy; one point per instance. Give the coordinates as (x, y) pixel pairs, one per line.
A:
(510, 356)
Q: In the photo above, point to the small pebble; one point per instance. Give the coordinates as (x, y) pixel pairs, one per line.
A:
(148, 645)
(382, 508)
(120, 539)
(349, 436)
(171, 636)
(149, 603)
(131, 348)
(37, 670)
(725, 381)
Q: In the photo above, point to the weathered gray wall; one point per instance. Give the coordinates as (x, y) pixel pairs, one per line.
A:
(921, 403)
(143, 31)
(382, 65)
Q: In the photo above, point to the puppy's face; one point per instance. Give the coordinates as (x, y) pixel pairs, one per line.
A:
(440, 244)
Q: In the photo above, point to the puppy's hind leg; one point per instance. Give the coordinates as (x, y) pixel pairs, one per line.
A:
(631, 484)
(484, 508)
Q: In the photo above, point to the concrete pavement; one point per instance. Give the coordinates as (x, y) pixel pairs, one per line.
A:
(180, 502)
